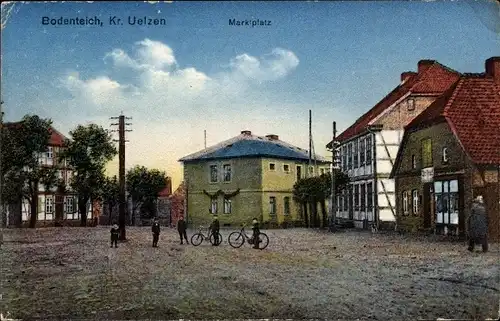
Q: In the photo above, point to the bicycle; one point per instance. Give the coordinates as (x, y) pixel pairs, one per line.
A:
(199, 237)
(237, 239)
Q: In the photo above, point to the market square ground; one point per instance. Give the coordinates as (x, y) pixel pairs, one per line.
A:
(53, 273)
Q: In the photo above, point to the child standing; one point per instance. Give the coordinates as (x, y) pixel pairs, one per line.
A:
(115, 232)
(256, 232)
(156, 232)
(181, 228)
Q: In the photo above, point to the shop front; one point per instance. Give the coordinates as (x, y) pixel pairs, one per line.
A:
(448, 208)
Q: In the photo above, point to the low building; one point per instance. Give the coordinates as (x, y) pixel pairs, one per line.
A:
(449, 154)
(244, 177)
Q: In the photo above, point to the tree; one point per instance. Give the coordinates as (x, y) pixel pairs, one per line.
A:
(110, 193)
(88, 152)
(23, 173)
(143, 186)
(313, 190)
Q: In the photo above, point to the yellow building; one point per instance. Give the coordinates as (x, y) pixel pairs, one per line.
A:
(244, 177)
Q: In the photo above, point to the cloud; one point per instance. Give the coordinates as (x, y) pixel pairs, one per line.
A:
(171, 105)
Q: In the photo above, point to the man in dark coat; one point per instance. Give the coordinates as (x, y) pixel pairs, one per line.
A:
(115, 232)
(181, 228)
(214, 229)
(478, 225)
(156, 232)
(256, 232)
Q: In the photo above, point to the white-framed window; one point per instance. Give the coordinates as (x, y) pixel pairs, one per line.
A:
(405, 202)
(322, 171)
(362, 151)
(286, 168)
(356, 154)
(227, 206)
(49, 204)
(214, 174)
(69, 204)
(50, 152)
(286, 205)
(272, 166)
(445, 155)
(411, 104)
(368, 148)
(272, 205)
(414, 196)
(226, 170)
(213, 205)
(299, 172)
(349, 156)
(311, 170)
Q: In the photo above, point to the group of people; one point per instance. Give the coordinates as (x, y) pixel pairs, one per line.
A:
(182, 229)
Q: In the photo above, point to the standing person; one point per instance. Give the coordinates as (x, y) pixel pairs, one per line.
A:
(181, 228)
(256, 232)
(214, 229)
(156, 232)
(477, 224)
(115, 232)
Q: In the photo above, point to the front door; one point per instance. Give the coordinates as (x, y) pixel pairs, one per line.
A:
(427, 205)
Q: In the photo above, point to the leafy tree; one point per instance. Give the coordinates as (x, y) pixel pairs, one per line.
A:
(91, 147)
(313, 190)
(143, 186)
(110, 193)
(22, 172)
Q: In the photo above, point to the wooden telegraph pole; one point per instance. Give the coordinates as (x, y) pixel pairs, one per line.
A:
(122, 209)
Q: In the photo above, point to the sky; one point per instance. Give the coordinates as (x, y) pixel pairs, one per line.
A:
(197, 72)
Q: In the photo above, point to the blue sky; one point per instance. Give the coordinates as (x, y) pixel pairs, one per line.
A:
(199, 73)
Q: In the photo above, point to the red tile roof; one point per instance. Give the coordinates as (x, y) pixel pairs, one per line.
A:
(432, 78)
(56, 138)
(472, 110)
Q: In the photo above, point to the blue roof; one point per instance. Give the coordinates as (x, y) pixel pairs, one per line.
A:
(251, 146)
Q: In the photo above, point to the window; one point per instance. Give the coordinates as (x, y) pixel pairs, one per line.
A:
(69, 204)
(410, 104)
(355, 154)
(299, 172)
(272, 166)
(346, 201)
(286, 205)
(226, 169)
(213, 207)
(447, 202)
(363, 197)
(362, 151)
(344, 158)
(227, 206)
(368, 145)
(405, 203)
(369, 197)
(445, 155)
(286, 168)
(50, 152)
(415, 200)
(322, 171)
(413, 162)
(349, 156)
(272, 205)
(49, 204)
(311, 170)
(426, 153)
(356, 197)
(213, 174)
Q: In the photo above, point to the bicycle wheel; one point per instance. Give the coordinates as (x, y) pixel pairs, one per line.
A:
(196, 239)
(236, 239)
(263, 241)
(212, 239)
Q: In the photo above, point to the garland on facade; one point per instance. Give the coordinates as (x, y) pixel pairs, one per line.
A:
(221, 192)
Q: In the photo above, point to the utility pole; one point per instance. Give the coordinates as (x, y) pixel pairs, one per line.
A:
(333, 187)
(122, 209)
(310, 144)
(205, 138)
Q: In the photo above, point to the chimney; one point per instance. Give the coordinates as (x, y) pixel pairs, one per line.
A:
(423, 65)
(246, 132)
(407, 74)
(492, 66)
(272, 137)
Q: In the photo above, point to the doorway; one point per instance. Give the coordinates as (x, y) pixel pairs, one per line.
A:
(427, 205)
